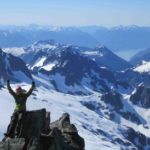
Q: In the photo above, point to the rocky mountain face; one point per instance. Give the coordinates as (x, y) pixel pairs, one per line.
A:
(100, 55)
(139, 140)
(144, 55)
(74, 66)
(115, 108)
(118, 109)
(103, 56)
(13, 68)
(36, 133)
(141, 96)
(114, 99)
(83, 72)
(133, 77)
(140, 73)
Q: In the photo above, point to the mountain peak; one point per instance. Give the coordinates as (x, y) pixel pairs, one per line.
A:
(104, 50)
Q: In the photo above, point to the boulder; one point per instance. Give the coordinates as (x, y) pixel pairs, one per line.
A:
(67, 133)
(36, 133)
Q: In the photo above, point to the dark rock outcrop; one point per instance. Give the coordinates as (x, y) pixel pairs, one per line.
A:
(77, 69)
(115, 108)
(141, 97)
(102, 54)
(12, 68)
(115, 100)
(132, 77)
(143, 55)
(139, 140)
(37, 134)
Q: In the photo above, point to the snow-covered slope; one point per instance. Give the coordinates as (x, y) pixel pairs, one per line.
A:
(39, 51)
(144, 67)
(97, 119)
(141, 96)
(101, 107)
(16, 51)
(103, 56)
(138, 58)
(140, 73)
(76, 67)
(68, 68)
(133, 77)
(136, 75)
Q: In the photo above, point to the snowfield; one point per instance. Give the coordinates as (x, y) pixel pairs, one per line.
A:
(145, 67)
(16, 51)
(98, 131)
(58, 103)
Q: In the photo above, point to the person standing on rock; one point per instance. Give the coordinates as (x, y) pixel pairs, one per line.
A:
(20, 96)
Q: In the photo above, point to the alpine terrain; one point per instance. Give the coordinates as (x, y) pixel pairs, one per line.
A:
(106, 97)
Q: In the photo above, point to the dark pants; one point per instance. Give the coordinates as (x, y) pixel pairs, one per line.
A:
(13, 127)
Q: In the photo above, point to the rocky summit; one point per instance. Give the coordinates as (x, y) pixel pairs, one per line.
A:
(35, 132)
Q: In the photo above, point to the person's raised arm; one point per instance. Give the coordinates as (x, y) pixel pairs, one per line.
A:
(9, 88)
(31, 89)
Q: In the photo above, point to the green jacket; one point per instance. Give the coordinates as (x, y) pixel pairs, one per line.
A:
(20, 99)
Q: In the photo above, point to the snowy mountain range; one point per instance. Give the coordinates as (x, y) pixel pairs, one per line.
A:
(120, 38)
(24, 36)
(101, 54)
(110, 112)
(54, 61)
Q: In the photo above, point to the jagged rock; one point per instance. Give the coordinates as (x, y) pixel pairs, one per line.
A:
(68, 134)
(34, 123)
(35, 133)
(65, 119)
(139, 140)
(114, 99)
(141, 96)
(133, 78)
(115, 105)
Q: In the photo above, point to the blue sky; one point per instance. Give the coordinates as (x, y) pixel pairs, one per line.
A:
(75, 12)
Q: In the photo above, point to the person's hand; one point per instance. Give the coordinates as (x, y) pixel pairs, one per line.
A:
(33, 83)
